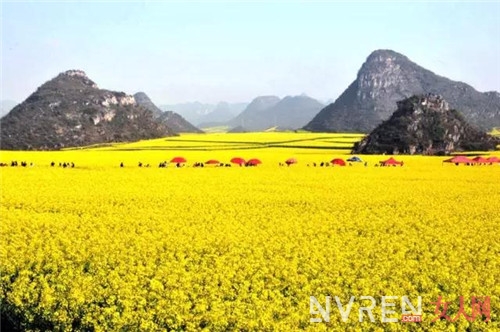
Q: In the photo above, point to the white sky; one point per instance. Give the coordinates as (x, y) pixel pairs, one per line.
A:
(214, 51)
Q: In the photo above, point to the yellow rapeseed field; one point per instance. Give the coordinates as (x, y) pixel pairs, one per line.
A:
(104, 248)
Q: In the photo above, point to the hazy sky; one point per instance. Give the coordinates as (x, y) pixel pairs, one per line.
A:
(213, 51)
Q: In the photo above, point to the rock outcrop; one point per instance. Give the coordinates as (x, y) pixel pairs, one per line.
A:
(425, 124)
(387, 77)
(70, 111)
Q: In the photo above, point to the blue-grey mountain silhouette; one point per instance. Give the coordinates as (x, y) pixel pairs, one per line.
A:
(171, 119)
(270, 111)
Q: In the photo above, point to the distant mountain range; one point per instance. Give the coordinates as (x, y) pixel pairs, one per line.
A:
(171, 119)
(70, 110)
(250, 117)
(191, 111)
(221, 114)
(206, 115)
(387, 77)
(270, 111)
(262, 113)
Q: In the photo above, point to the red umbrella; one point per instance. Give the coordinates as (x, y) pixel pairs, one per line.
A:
(254, 161)
(480, 159)
(291, 161)
(391, 162)
(493, 160)
(212, 162)
(338, 161)
(459, 160)
(178, 160)
(238, 160)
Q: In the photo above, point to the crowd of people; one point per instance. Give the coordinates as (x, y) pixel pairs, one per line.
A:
(15, 163)
(254, 162)
(325, 164)
(63, 164)
(164, 164)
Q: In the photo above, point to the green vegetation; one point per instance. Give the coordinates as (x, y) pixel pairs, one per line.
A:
(218, 129)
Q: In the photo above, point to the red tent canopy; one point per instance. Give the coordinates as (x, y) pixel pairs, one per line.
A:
(480, 159)
(493, 160)
(212, 162)
(254, 161)
(391, 161)
(178, 160)
(290, 161)
(338, 161)
(238, 160)
(459, 160)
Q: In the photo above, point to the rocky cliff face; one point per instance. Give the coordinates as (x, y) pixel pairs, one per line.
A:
(387, 77)
(170, 119)
(425, 124)
(70, 110)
